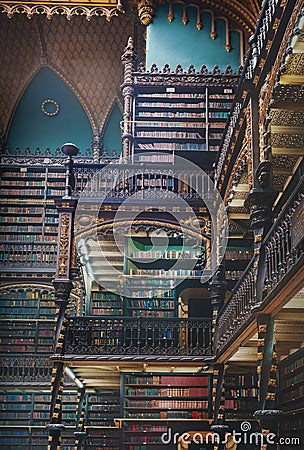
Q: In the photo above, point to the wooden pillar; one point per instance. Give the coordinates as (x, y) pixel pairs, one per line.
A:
(128, 59)
(80, 433)
(217, 288)
(267, 379)
(62, 285)
(218, 404)
(261, 196)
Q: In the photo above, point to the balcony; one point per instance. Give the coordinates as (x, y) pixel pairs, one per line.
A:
(281, 260)
(147, 339)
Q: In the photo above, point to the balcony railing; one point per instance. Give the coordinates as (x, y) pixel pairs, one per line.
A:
(264, 46)
(159, 180)
(19, 369)
(283, 249)
(126, 336)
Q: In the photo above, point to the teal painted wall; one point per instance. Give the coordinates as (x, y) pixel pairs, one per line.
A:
(32, 128)
(112, 133)
(175, 43)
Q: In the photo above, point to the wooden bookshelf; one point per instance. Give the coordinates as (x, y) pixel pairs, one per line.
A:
(104, 302)
(291, 396)
(241, 395)
(149, 397)
(184, 118)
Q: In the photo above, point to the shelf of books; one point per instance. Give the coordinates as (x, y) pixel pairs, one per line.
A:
(241, 395)
(182, 118)
(161, 257)
(104, 302)
(29, 220)
(24, 416)
(102, 408)
(236, 261)
(291, 395)
(152, 400)
(27, 321)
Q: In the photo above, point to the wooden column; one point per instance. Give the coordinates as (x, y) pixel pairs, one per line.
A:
(267, 379)
(129, 59)
(62, 285)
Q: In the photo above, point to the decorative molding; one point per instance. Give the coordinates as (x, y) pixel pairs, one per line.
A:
(67, 10)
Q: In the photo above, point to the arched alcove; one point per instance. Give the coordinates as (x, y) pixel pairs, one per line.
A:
(47, 115)
(111, 136)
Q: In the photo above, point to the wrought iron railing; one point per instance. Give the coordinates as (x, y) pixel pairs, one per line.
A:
(25, 369)
(264, 44)
(123, 336)
(120, 181)
(283, 250)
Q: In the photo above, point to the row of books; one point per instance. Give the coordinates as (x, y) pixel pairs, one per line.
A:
(29, 237)
(249, 392)
(238, 404)
(107, 311)
(161, 253)
(156, 158)
(291, 381)
(293, 395)
(294, 365)
(238, 254)
(172, 114)
(173, 95)
(245, 380)
(105, 304)
(154, 314)
(169, 415)
(169, 104)
(170, 124)
(164, 272)
(170, 134)
(157, 146)
(167, 391)
(169, 380)
(104, 295)
(24, 183)
(233, 274)
(152, 303)
(22, 192)
(168, 404)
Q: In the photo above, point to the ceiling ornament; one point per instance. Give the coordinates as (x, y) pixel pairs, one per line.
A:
(64, 9)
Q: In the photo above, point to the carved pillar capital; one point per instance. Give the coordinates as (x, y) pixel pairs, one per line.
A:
(217, 287)
(259, 202)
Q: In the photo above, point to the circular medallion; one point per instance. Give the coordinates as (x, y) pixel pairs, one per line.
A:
(50, 107)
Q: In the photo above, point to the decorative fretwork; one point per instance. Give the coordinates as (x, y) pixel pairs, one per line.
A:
(63, 9)
(148, 337)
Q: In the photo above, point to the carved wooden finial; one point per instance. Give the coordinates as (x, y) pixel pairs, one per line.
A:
(145, 11)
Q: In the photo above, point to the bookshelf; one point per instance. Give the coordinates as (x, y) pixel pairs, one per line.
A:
(102, 408)
(29, 220)
(183, 118)
(236, 260)
(241, 395)
(104, 302)
(291, 395)
(24, 416)
(152, 400)
(27, 321)
(160, 257)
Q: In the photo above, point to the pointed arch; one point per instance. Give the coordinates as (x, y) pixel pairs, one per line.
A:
(48, 113)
